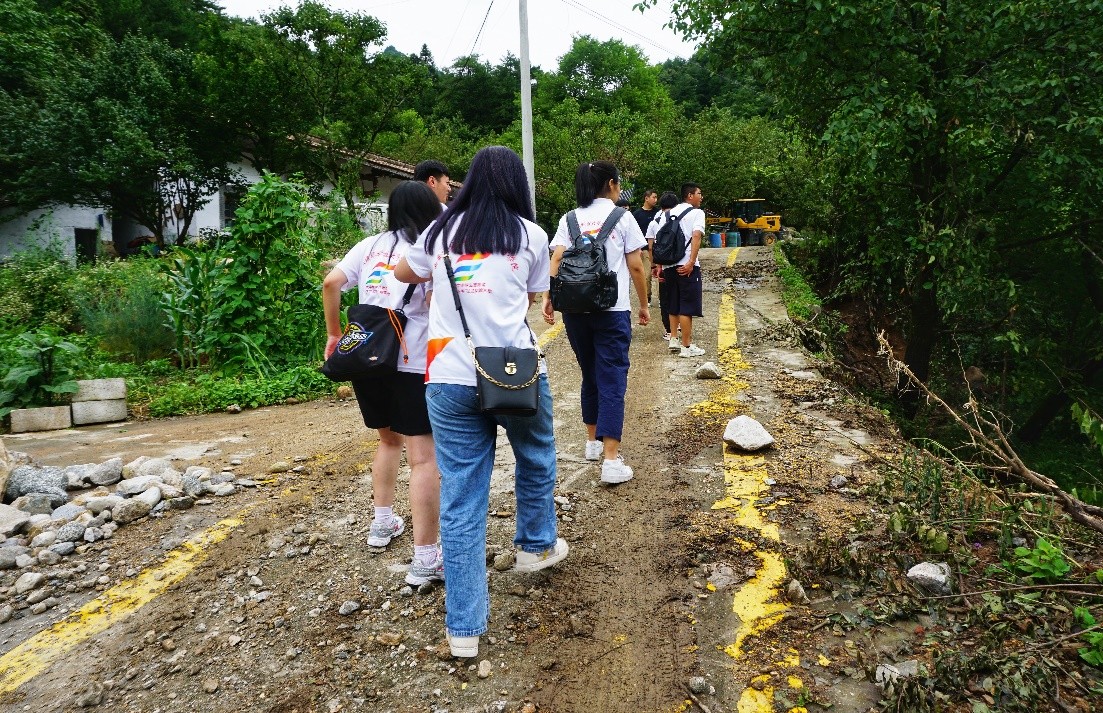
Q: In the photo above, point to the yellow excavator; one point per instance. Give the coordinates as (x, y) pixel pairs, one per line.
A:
(749, 217)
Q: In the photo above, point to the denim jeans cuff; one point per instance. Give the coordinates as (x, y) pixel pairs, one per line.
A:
(538, 550)
(467, 632)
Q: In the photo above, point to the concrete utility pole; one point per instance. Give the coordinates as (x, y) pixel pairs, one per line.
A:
(526, 102)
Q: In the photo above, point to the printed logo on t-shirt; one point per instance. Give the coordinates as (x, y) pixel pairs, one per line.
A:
(435, 346)
(468, 265)
(381, 270)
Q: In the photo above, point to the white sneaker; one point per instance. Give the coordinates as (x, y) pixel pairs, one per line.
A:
(533, 561)
(675, 343)
(381, 533)
(691, 351)
(594, 450)
(615, 471)
(463, 647)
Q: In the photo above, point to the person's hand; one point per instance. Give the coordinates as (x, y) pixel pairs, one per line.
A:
(656, 271)
(685, 270)
(549, 312)
(645, 315)
(331, 344)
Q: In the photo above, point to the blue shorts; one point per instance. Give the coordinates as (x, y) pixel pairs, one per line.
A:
(683, 294)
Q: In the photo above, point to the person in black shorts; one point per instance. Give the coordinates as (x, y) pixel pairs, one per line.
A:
(395, 404)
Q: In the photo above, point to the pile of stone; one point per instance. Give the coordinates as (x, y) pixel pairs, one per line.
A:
(54, 512)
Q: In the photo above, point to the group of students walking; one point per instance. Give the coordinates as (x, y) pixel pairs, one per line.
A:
(486, 243)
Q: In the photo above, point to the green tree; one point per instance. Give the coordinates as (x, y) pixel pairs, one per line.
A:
(603, 77)
(953, 128)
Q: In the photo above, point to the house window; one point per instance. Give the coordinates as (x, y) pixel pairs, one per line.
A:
(230, 197)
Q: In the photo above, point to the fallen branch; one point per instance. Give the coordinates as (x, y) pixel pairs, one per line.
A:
(990, 438)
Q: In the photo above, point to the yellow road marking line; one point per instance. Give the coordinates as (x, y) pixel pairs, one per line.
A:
(39, 652)
(549, 334)
(756, 603)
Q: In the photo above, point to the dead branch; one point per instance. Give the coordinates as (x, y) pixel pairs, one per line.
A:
(990, 438)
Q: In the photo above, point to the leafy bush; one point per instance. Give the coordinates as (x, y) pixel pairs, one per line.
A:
(120, 308)
(1045, 563)
(35, 289)
(39, 366)
(254, 301)
(799, 297)
(204, 392)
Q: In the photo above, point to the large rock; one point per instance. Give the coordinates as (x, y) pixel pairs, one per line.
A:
(29, 581)
(32, 479)
(151, 496)
(107, 473)
(104, 502)
(139, 484)
(35, 503)
(747, 434)
(931, 576)
(12, 520)
(70, 532)
(6, 465)
(129, 511)
(131, 469)
(77, 475)
(709, 370)
(68, 511)
(153, 466)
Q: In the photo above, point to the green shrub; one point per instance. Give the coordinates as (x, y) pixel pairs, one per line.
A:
(204, 393)
(120, 308)
(799, 297)
(37, 367)
(35, 288)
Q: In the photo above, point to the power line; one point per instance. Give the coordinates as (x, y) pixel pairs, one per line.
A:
(480, 33)
(597, 15)
(453, 38)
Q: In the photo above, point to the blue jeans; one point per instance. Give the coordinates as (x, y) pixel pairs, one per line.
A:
(600, 341)
(465, 439)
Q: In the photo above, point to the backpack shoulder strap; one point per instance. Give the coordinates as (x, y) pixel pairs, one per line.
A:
(409, 295)
(572, 227)
(685, 213)
(610, 223)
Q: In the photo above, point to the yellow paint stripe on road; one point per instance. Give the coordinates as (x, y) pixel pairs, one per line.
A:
(39, 652)
(549, 334)
(756, 603)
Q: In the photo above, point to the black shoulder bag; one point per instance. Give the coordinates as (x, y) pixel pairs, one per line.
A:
(505, 377)
(371, 342)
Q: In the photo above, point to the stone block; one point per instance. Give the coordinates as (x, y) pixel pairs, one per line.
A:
(99, 411)
(100, 390)
(46, 418)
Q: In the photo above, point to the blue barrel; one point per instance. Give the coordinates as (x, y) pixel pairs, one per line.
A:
(716, 240)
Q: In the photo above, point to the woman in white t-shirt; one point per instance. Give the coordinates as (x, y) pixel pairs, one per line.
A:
(600, 340)
(395, 404)
(499, 258)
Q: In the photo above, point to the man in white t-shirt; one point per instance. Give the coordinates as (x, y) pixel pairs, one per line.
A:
(435, 175)
(683, 281)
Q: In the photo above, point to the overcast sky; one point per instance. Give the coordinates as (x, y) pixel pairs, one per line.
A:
(451, 28)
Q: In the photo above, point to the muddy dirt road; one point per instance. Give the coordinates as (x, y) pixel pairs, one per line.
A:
(672, 577)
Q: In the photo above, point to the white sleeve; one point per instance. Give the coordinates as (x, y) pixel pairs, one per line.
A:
(630, 233)
(698, 218)
(540, 274)
(562, 235)
(416, 257)
(353, 261)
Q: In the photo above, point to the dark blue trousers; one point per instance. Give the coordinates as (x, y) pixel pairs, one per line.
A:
(600, 341)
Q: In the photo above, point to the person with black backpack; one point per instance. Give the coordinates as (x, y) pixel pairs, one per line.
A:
(677, 241)
(597, 249)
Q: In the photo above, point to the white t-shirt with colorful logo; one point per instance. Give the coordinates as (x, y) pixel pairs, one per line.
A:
(370, 267)
(624, 238)
(494, 292)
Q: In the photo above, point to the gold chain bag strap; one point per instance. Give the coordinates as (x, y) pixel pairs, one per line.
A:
(505, 377)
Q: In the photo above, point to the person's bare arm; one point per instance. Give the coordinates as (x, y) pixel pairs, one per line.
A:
(546, 307)
(331, 307)
(639, 279)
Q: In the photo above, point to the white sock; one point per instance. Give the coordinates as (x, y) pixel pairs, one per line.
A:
(383, 514)
(425, 554)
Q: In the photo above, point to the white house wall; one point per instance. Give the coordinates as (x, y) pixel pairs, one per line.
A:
(56, 225)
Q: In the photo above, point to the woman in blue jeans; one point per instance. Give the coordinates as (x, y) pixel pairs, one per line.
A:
(600, 339)
(499, 257)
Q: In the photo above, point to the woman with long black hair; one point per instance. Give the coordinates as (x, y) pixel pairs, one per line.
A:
(499, 259)
(600, 339)
(395, 404)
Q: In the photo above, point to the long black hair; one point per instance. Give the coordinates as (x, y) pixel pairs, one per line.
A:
(591, 180)
(411, 208)
(494, 198)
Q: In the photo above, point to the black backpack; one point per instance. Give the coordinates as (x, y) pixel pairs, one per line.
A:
(585, 283)
(670, 241)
